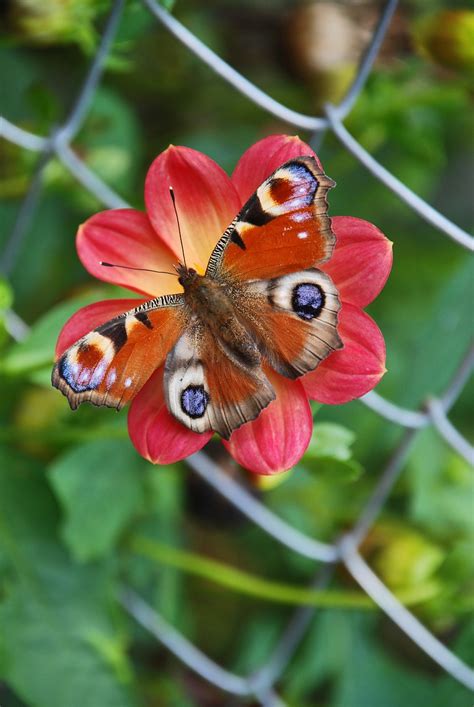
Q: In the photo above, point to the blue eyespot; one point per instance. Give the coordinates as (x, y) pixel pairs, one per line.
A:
(81, 378)
(307, 300)
(194, 401)
(306, 183)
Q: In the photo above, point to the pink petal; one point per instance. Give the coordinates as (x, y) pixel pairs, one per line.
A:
(278, 438)
(88, 318)
(126, 237)
(263, 158)
(355, 369)
(155, 433)
(361, 262)
(206, 202)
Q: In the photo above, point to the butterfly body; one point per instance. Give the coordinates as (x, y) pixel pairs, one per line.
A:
(261, 305)
(214, 302)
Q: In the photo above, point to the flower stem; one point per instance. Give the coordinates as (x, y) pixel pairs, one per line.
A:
(246, 583)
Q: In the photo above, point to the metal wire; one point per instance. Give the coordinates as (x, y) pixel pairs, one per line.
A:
(24, 215)
(257, 513)
(261, 683)
(58, 143)
(426, 211)
(181, 647)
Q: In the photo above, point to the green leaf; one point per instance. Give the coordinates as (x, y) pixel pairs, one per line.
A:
(330, 440)
(342, 650)
(319, 659)
(46, 265)
(407, 558)
(6, 295)
(258, 638)
(99, 486)
(449, 691)
(59, 646)
(50, 658)
(369, 673)
(439, 342)
(442, 486)
(330, 453)
(25, 508)
(163, 520)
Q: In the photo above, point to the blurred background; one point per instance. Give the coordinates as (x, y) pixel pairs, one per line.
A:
(81, 513)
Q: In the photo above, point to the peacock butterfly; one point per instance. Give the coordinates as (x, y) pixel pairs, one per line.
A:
(261, 303)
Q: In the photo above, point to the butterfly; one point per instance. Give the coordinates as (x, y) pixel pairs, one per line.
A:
(261, 304)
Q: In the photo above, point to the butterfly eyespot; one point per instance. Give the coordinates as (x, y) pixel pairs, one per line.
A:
(80, 377)
(307, 300)
(194, 401)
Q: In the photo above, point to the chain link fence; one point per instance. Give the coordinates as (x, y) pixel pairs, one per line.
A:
(345, 550)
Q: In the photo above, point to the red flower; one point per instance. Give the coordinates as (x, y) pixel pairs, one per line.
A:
(208, 201)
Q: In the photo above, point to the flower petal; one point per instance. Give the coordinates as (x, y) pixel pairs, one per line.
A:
(88, 318)
(206, 202)
(361, 261)
(126, 237)
(263, 158)
(155, 433)
(278, 438)
(354, 370)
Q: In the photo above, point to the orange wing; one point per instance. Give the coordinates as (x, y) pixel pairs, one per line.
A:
(109, 365)
(293, 319)
(206, 388)
(283, 227)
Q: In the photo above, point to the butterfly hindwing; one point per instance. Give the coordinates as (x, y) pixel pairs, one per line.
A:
(207, 388)
(283, 227)
(109, 365)
(293, 319)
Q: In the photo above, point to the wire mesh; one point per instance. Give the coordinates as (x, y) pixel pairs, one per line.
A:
(260, 684)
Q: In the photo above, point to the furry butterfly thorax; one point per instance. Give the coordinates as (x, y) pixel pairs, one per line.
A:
(262, 304)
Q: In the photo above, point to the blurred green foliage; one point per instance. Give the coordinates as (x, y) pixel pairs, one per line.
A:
(81, 513)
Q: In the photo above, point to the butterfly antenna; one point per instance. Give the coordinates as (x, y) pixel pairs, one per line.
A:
(173, 199)
(129, 267)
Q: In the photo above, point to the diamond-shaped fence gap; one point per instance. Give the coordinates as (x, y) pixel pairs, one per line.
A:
(421, 207)
(292, 635)
(260, 684)
(59, 141)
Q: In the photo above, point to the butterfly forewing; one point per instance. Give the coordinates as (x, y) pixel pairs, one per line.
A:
(283, 227)
(109, 365)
